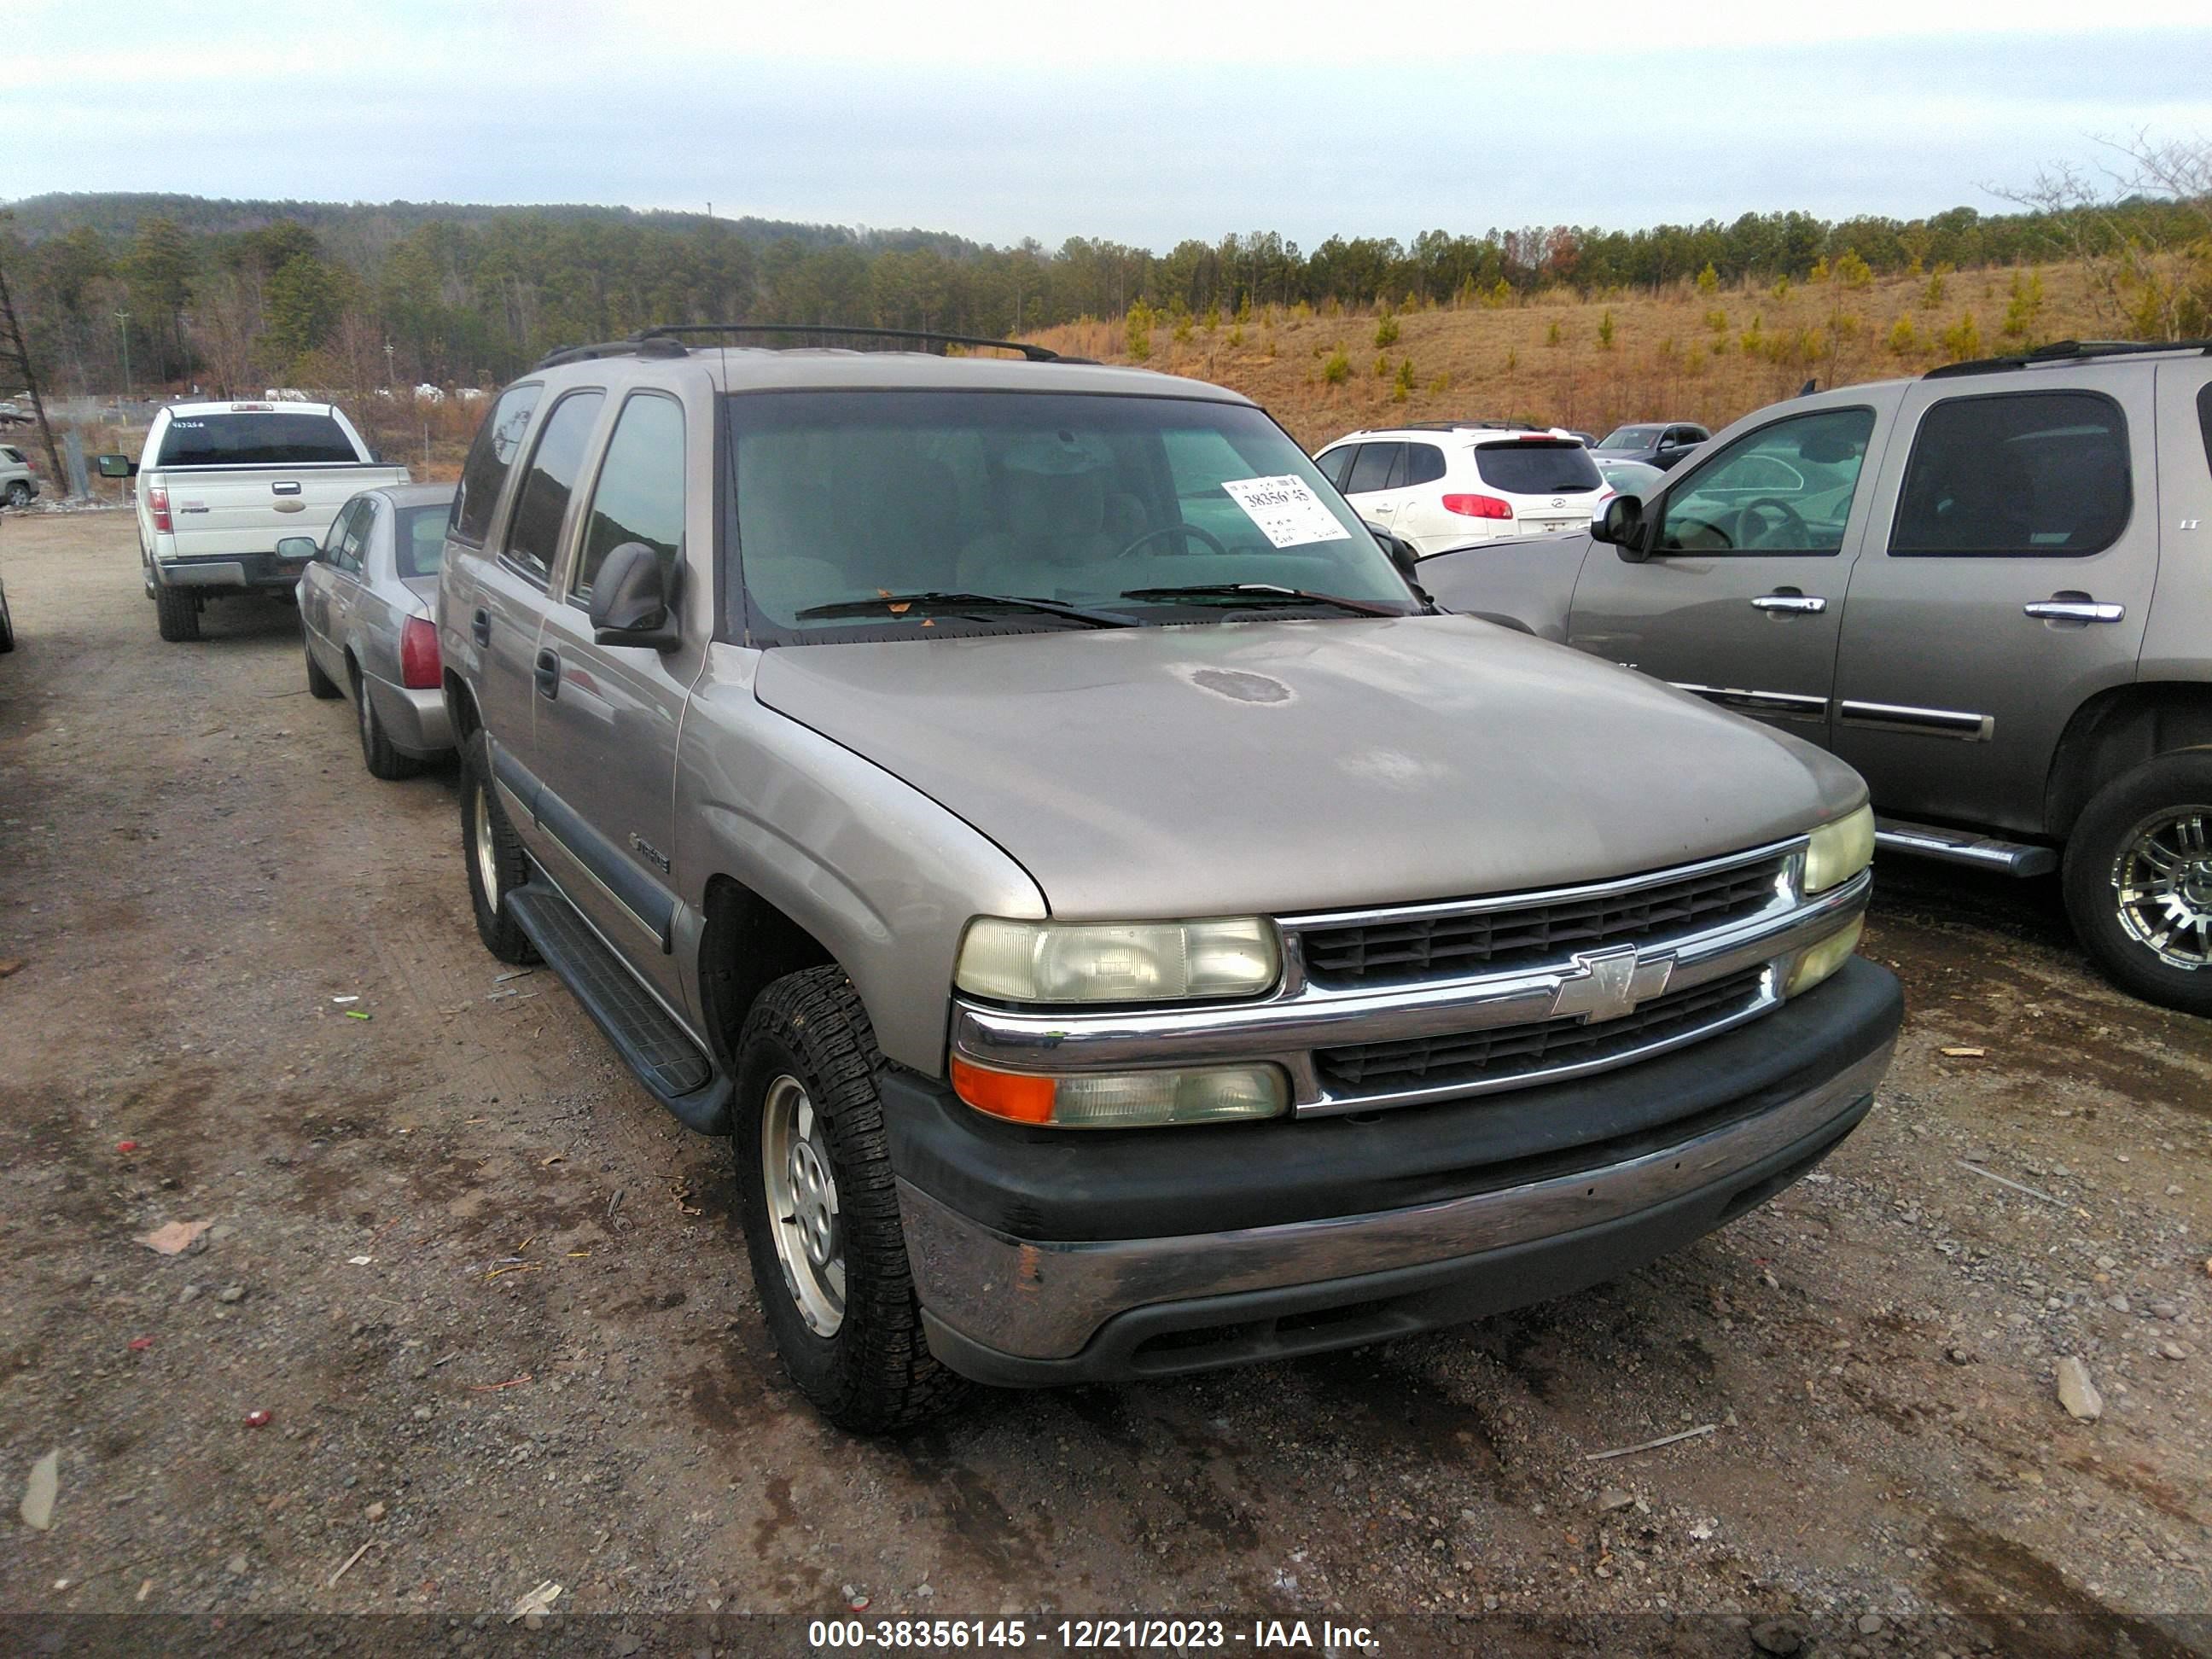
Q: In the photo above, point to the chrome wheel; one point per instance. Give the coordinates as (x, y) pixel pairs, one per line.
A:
(802, 1205)
(2163, 885)
(487, 849)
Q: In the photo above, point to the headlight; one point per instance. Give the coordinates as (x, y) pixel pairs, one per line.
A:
(1840, 850)
(1124, 1100)
(1116, 961)
(1816, 962)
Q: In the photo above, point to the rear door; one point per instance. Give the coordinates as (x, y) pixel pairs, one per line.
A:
(1421, 518)
(513, 595)
(608, 716)
(2018, 533)
(1741, 596)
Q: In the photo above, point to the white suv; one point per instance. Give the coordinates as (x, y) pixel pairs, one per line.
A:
(18, 483)
(1441, 484)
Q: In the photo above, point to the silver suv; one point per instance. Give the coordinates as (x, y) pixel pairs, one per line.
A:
(1123, 928)
(1985, 588)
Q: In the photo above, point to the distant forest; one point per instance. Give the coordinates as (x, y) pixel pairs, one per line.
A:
(237, 295)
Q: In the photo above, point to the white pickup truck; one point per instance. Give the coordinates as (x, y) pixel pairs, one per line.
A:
(221, 484)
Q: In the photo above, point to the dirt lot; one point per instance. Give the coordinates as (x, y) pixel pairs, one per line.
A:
(496, 1307)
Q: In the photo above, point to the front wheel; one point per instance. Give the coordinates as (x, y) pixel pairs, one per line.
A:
(496, 863)
(821, 1211)
(2138, 880)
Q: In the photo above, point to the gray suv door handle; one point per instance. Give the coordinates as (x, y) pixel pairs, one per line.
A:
(2082, 610)
(547, 673)
(1795, 604)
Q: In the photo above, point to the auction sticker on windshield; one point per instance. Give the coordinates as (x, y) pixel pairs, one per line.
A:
(1288, 514)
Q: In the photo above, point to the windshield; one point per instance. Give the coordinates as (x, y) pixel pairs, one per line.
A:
(848, 501)
(418, 539)
(1537, 466)
(255, 440)
(1632, 437)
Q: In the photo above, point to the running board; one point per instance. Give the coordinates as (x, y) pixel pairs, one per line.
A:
(660, 1051)
(1961, 846)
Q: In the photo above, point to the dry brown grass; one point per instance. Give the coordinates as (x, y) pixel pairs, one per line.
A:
(1667, 361)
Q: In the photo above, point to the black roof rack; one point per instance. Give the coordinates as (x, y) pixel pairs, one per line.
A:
(665, 340)
(1464, 426)
(2068, 351)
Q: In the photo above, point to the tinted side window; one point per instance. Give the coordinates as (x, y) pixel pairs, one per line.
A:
(1785, 488)
(1425, 464)
(355, 542)
(640, 494)
(2204, 418)
(1380, 466)
(1336, 465)
(2017, 475)
(498, 441)
(534, 535)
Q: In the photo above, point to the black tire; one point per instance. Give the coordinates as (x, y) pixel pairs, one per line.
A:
(508, 865)
(377, 753)
(2098, 856)
(177, 614)
(320, 684)
(874, 1374)
(19, 493)
(7, 625)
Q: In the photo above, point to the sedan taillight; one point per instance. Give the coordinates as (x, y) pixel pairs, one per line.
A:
(418, 655)
(157, 502)
(1478, 506)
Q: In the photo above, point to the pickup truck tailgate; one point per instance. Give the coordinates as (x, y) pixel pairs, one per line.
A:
(247, 509)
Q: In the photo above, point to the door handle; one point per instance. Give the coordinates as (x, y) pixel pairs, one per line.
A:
(480, 627)
(1790, 603)
(2073, 608)
(548, 674)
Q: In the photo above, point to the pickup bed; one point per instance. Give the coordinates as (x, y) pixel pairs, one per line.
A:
(221, 484)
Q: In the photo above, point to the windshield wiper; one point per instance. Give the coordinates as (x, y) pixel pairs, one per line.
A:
(932, 599)
(1264, 593)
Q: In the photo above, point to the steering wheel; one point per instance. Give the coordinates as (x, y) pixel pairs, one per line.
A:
(1790, 519)
(1204, 535)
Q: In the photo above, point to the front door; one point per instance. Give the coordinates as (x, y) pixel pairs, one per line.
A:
(1376, 486)
(2010, 571)
(608, 716)
(1742, 592)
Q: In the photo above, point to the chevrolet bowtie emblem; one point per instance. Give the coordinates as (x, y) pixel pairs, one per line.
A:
(1605, 985)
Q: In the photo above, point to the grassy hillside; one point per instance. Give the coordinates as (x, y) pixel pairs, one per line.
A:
(1706, 355)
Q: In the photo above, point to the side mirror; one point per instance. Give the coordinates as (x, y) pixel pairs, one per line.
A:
(1622, 525)
(1402, 554)
(299, 547)
(117, 466)
(631, 603)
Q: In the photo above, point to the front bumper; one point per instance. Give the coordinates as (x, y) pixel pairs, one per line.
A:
(417, 722)
(237, 572)
(1148, 1253)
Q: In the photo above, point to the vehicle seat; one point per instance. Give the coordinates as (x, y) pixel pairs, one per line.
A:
(1053, 526)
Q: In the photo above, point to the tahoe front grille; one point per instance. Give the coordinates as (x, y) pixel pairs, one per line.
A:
(1381, 950)
(1501, 1053)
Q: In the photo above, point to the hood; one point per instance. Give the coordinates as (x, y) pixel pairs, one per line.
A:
(1272, 767)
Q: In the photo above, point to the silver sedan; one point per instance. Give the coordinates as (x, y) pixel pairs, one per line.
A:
(367, 615)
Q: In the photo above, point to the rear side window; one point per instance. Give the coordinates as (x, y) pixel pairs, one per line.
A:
(1425, 464)
(533, 537)
(640, 494)
(2016, 475)
(498, 441)
(251, 440)
(418, 540)
(2203, 419)
(1380, 466)
(1538, 467)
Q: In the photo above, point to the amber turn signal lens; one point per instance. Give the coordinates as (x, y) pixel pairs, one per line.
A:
(1004, 1094)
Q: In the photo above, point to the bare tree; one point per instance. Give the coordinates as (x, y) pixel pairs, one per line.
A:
(2139, 223)
(12, 349)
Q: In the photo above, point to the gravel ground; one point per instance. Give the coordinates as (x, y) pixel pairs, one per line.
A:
(496, 1308)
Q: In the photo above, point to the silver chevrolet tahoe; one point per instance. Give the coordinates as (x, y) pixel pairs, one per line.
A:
(1122, 926)
(1985, 588)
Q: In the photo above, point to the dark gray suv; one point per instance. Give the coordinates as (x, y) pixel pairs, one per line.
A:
(1985, 588)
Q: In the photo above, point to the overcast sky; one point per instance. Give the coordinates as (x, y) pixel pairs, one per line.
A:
(1142, 124)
